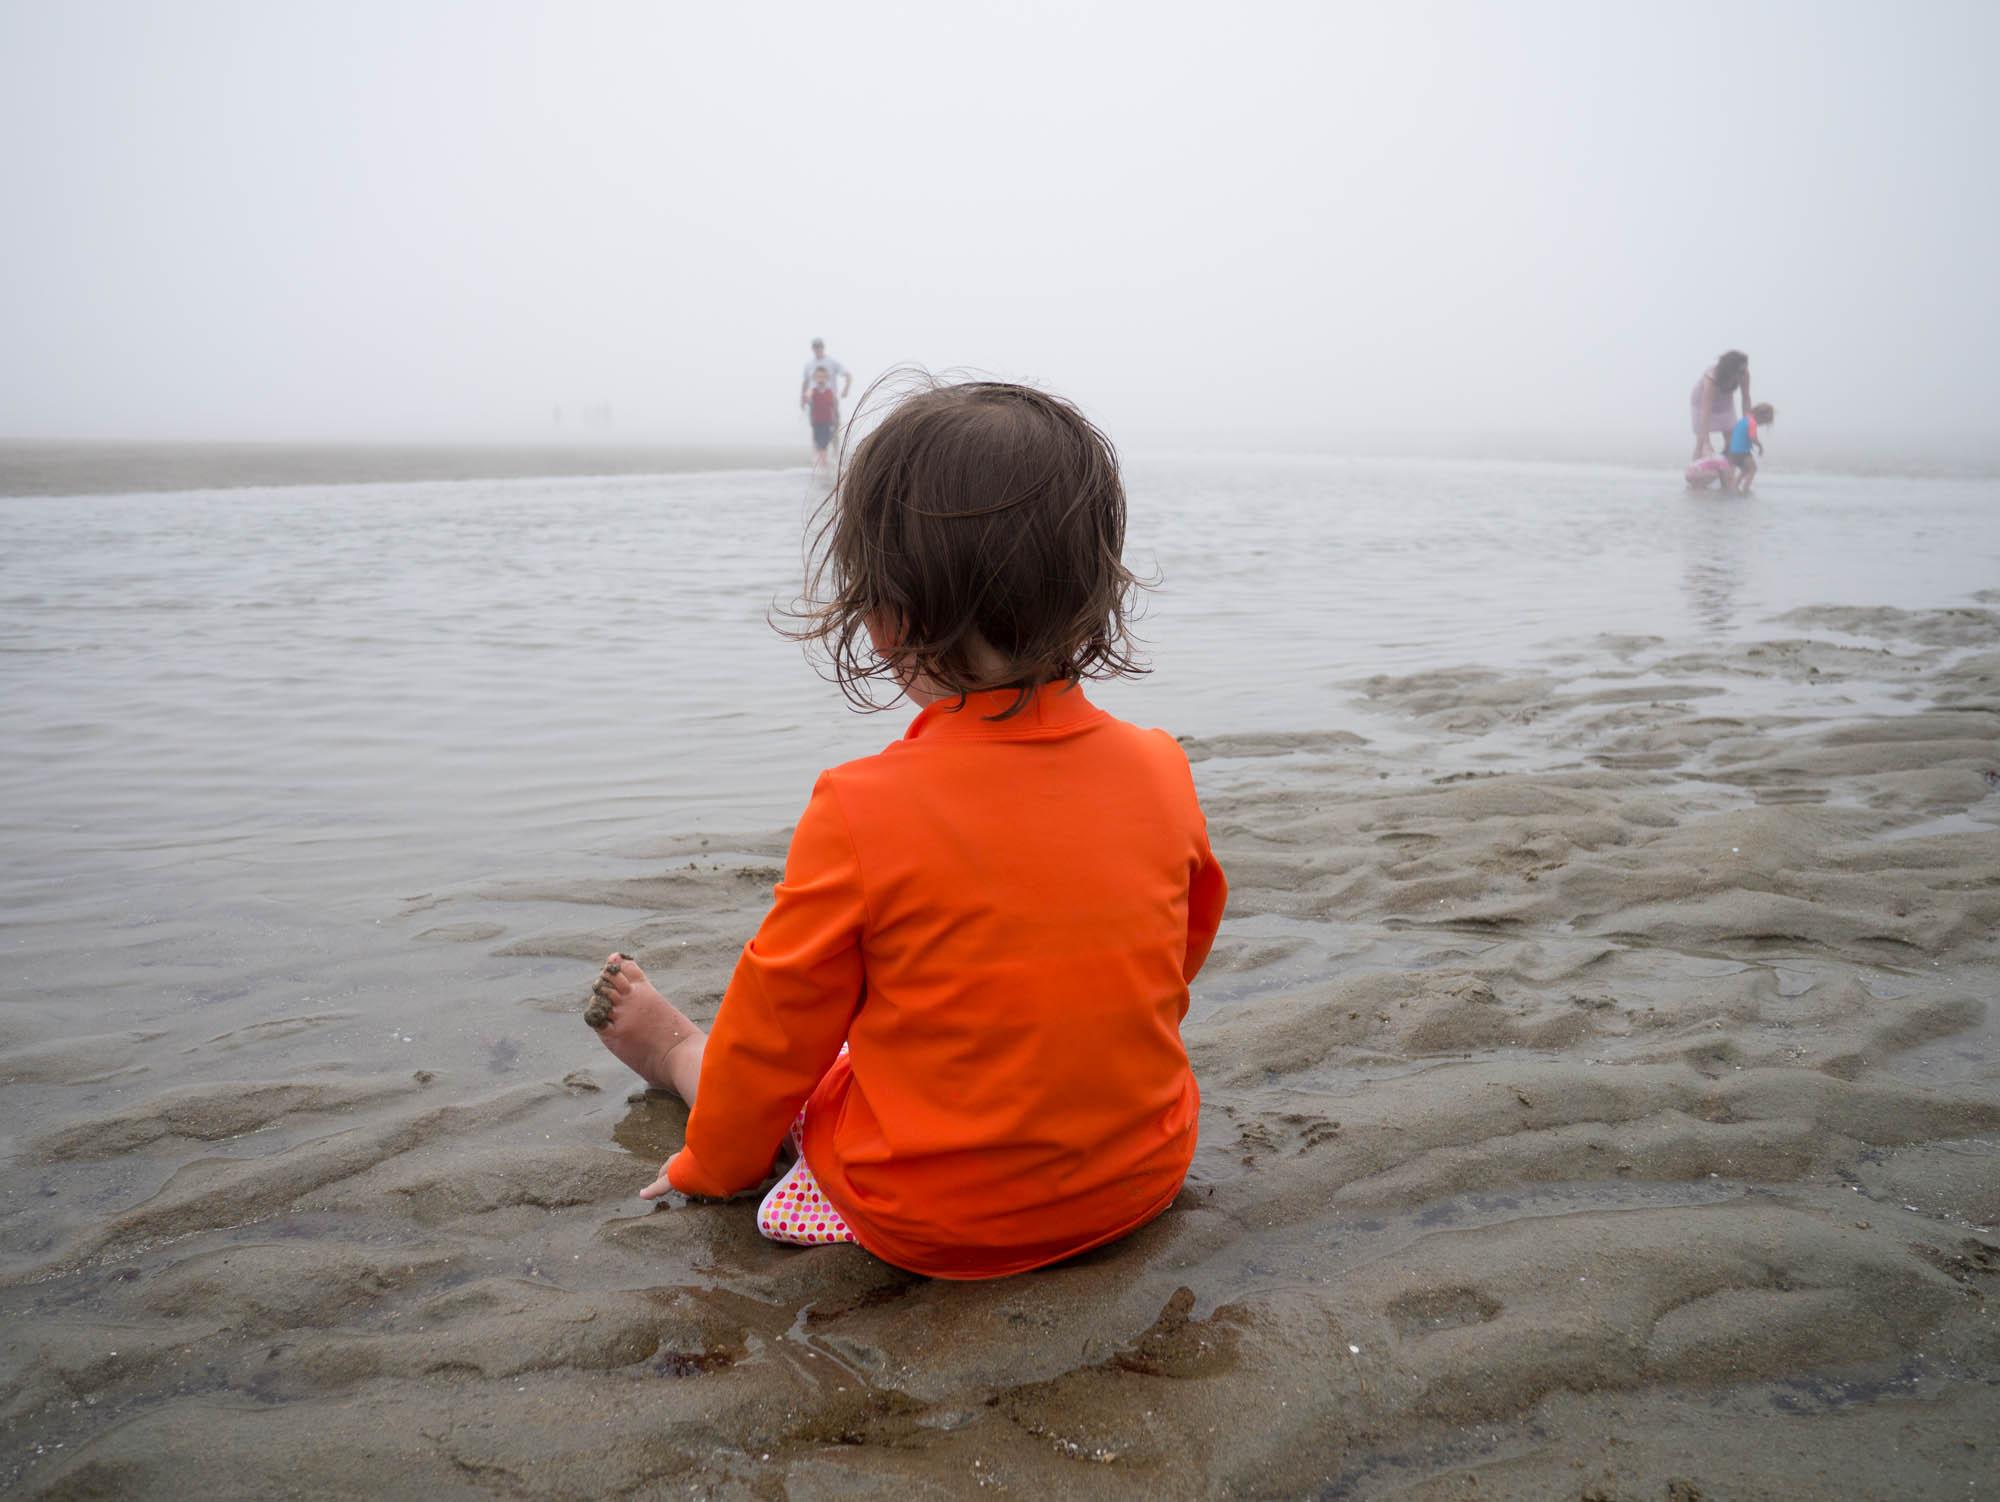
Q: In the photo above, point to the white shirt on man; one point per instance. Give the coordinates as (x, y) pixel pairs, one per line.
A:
(833, 368)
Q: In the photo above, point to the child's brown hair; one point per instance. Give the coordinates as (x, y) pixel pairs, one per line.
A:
(1764, 412)
(978, 513)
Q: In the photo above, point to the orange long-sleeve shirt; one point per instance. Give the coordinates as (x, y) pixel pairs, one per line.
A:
(1001, 918)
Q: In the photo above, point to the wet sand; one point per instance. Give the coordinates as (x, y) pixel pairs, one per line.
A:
(1600, 1101)
(55, 467)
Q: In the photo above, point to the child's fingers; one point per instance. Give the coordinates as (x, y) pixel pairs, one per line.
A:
(658, 1187)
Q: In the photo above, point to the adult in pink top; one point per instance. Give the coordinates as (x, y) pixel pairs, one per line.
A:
(1713, 403)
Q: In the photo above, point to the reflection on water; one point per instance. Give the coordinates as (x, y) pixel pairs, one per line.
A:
(247, 732)
(1713, 544)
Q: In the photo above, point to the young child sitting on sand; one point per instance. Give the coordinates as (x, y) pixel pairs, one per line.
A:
(1742, 438)
(964, 1005)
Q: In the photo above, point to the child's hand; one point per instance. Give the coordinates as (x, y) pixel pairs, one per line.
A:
(658, 1187)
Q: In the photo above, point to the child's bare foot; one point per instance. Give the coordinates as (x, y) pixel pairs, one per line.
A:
(652, 1036)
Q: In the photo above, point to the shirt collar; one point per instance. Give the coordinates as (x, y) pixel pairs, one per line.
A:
(1054, 709)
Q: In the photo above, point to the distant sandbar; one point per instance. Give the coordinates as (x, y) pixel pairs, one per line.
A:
(52, 467)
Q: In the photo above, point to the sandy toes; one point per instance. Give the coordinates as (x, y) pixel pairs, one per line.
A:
(641, 1027)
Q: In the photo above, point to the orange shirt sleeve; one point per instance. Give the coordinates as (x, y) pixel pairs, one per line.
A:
(785, 1014)
(1208, 894)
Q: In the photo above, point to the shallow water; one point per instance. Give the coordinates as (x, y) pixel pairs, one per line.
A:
(268, 753)
(224, 708)
(319, 805)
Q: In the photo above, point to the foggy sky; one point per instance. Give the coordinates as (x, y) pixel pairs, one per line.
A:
(1224, 224)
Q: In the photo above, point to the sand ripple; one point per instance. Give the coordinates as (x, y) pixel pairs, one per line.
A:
(1616, 1120)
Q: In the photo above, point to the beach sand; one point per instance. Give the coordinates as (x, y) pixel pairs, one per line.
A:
(1625, 1124)
(48, 467)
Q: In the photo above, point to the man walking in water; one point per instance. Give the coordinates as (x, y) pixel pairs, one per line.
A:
(835, 371)
(820, 402)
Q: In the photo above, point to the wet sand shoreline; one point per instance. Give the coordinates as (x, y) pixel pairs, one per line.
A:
(30, 467)
(1618, 1118)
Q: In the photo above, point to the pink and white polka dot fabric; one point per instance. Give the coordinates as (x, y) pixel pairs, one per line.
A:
(795, 1211)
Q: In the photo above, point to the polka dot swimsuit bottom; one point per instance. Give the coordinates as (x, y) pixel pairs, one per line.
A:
(795, 1210)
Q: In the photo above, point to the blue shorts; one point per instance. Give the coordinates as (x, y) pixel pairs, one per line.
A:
(822, 434)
